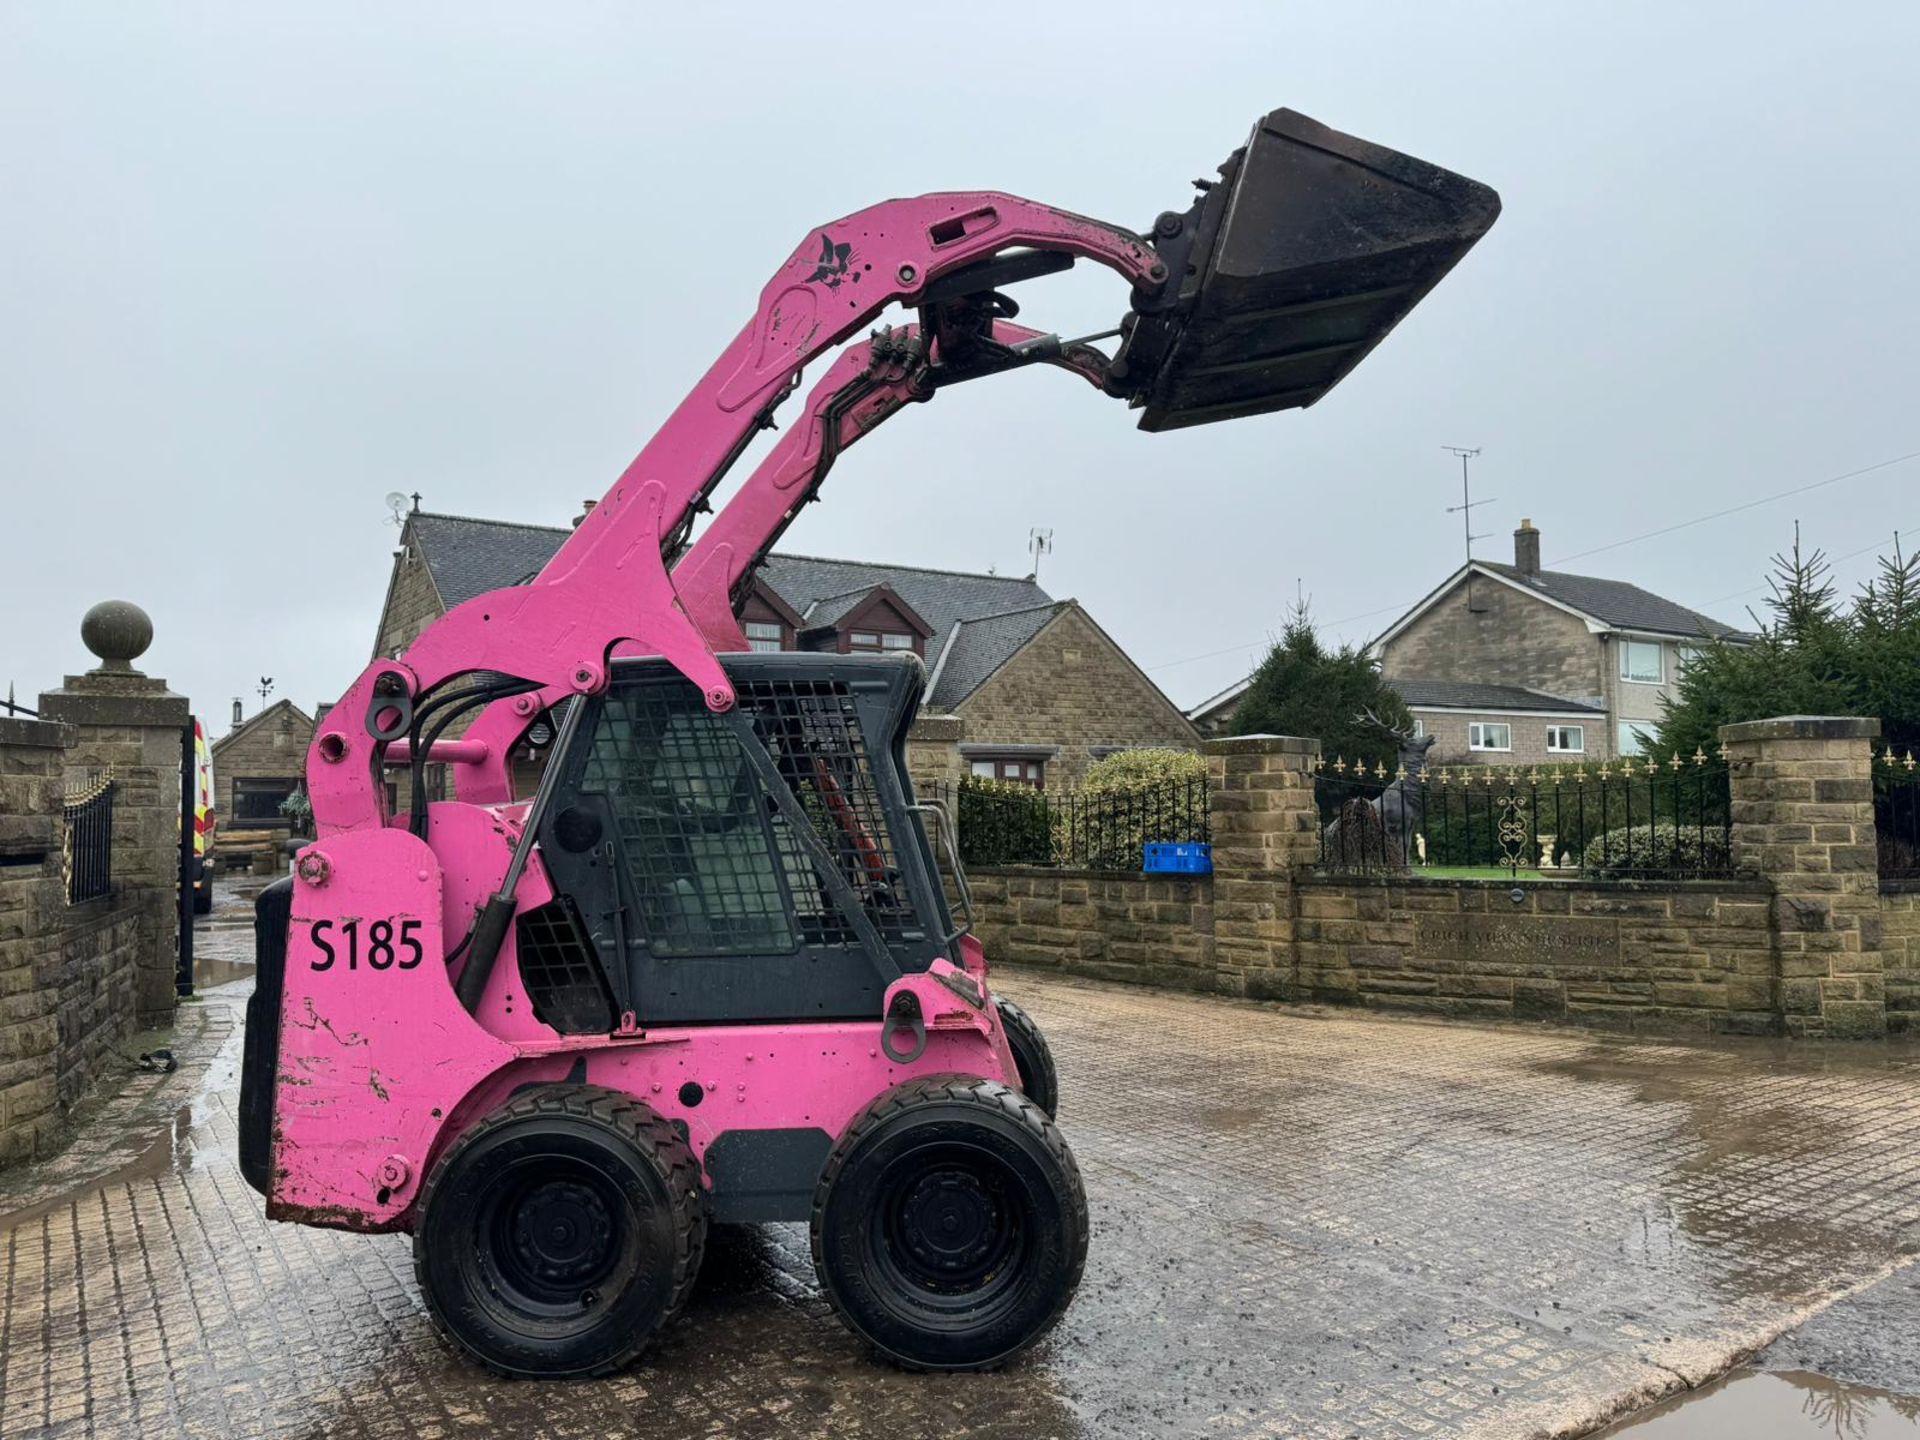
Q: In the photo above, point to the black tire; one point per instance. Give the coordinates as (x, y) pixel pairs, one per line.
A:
(1032, 1057)
(560, 1234)
(950, 1227)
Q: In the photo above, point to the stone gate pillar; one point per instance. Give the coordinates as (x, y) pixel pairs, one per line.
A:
(131, 723)
(1263, 824)
(1803, 819)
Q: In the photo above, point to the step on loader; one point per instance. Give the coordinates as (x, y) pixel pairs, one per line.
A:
(706, 971)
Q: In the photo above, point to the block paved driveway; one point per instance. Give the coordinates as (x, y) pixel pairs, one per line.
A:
(1306, 1224)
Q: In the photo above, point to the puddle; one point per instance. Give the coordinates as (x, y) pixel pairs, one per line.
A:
(1783, 1405)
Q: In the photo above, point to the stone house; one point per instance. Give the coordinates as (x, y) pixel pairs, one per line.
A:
(1516, 664)
(258, 764)
(1038, 688)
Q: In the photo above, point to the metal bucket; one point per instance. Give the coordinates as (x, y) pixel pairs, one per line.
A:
(1309, 249)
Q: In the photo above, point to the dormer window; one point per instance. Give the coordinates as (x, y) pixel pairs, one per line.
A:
(764, 635)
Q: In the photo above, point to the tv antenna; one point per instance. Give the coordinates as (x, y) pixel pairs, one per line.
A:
(397, 505)
(1039, 542)
(1465, 509)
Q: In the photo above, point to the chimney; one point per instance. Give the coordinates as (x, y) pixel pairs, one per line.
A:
(586, 509)
(1526, 549)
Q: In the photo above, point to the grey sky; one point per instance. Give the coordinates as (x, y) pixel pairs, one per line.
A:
(262, 265)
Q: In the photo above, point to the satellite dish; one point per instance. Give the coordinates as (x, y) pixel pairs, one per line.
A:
(397, 503)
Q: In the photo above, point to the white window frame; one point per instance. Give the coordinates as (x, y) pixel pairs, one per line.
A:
(1626, 740)
(1627, 647)
(1477, 736)
(1028, 770)
(763, 635)
(1419, 728)
(1557, 736)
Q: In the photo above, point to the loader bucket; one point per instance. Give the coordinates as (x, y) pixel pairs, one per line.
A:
(1310, 248)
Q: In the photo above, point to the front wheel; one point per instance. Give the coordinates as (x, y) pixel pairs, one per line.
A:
(560, 1234)
(1032, 1057)
(950, 1226)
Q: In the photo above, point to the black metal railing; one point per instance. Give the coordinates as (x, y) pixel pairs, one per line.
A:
(1635, 817)
(1003, 824)
(88, 854)
(1896, 814)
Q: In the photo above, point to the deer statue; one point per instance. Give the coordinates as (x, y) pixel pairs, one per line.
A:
(1379, 831)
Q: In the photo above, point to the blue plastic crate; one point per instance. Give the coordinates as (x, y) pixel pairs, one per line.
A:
(1178, 857)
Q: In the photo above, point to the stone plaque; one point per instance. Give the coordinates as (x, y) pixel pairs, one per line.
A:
(1519, 939)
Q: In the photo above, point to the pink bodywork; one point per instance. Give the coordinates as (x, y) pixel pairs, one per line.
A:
(380, 1067)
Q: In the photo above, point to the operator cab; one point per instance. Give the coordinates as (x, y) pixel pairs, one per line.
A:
(760, 865)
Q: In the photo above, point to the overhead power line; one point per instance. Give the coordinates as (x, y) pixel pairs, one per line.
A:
(1749, 505)
(1600, 549)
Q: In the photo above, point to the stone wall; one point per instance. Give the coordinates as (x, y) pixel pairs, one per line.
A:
(1148, 930)
(1529, 736)
(129, 724)
(77, 980)
(98, 986)
(1805, 943)
(1071, 686)
(1507, 638)
(70, 975)
(1623, 956)
(32, 898)
(412, 603)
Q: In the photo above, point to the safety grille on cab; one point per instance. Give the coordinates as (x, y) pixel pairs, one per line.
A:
(717, 868)
(562, 977)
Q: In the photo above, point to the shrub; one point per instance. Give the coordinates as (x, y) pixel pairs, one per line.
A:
(1002, 823)
(1141, 769)
(1660, 846)
(1128, 799)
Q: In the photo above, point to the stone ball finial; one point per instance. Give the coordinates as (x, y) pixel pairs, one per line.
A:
(118, 631)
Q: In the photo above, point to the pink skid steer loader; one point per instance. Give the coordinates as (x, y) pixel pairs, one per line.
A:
(707, 971)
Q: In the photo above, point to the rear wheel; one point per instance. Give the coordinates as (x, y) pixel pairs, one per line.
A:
(950, 1227)
(561, 1233)
(1032, 1056)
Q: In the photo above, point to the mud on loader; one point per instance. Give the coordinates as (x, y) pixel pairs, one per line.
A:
(707, 973)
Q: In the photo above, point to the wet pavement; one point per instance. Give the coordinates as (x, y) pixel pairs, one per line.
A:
(1310, 1224)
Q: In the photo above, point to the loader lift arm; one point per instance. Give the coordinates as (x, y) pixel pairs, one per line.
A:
(1261, 296)
(608, 584)
(869, 382)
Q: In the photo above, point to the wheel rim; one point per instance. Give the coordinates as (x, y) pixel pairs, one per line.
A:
(553, 1242)
(950, 1230)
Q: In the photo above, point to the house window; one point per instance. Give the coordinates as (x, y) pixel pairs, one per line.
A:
(257, 802)
(873, 641)
(1489, 736)
(1630, 740)
(1013, 770)
(1640, 662)
(763, 635)
(1571, 739)
(1419, 728)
